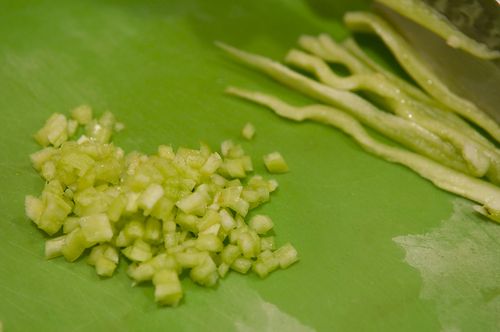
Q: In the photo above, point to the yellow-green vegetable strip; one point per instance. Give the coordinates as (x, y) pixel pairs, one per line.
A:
(487, 194)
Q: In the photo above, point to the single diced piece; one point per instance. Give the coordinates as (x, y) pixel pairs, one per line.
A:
(96, 228)
(150, 196)
(248, 131)
(205, 273)
(55, 131)
(275, 163)
(74, 245)
(168, 290)
(33, 207)
(230, 253)
(209, 242)
(261, 224)
(53, 247)
(82, 114)
(195, 203)
(287, 255)
(241, 265)
(140, 251)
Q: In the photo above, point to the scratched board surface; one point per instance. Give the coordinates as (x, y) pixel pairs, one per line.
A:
(380, 247)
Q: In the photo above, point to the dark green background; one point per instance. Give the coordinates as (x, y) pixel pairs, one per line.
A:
(153, 64)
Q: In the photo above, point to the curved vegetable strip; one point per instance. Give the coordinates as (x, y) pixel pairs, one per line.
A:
(401, 104)
(367, 22)
(355, 51)
(333, 54)
(403, 131)
(452, 118)
(425, 15)
(443, 177)
(327, 49)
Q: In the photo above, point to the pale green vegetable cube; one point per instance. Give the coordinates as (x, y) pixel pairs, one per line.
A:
(150, 197)
(223, 269)
(163, 209)
(140, 251)
(168, 290)
(248, 244)
(96, 228)
(227, 221)
(214, 230)
(189, 259)
(33, 207)
(41, 157)
(166, 151)
(286, 255)
(54, 131)
(195, 203)
(209, 219)
(152, 232)
(275, 163)
(116, 208)
(74, 245)
(226, 147)
(70, 224)
(105, 267)
(82, 114)
(205, 273)
(241, 265)
(213, 162)
(267, 243)
(234, 168)
(209, 242)
(134, 229)
(248, 131)
(53, 247)
(55, 212)
(230, 253)
(72, 127)
(141, 271)
(240, 206)
(261, 224)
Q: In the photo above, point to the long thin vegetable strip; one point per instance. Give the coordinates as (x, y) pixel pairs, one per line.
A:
(327, 49)
(425, 15)
(408, 59)
(473, 153)
(443, 177)
(405, 132)
(450, 117)
(333, 54)
(370, 66)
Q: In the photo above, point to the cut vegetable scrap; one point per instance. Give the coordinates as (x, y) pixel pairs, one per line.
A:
(403, 131)
(487, 194)
(248, 131)
(430, 82)
(275, 163)
(164, 213)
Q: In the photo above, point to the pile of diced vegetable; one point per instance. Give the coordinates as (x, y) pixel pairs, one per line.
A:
(173, 211)
(434, 128)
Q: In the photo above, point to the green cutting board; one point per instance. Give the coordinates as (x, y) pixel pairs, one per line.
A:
(378, 244)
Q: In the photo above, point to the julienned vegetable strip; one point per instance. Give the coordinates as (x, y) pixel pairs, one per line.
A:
(425, 15)
(405, 132)
(448, 116)
(329, 45)
(477, 156)
(407, 58)
(445, 178)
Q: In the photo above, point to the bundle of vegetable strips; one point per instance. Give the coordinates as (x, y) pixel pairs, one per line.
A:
(165, 213)
(432, 127)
